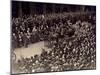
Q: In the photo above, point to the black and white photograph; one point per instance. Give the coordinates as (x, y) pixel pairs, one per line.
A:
(52, 37)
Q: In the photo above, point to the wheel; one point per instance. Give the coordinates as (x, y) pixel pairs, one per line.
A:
(13, 56)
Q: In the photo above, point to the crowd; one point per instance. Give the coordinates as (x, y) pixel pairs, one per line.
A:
(71, 37)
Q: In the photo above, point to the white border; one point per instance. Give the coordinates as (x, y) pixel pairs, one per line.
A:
(5, 36)
(86, 2)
